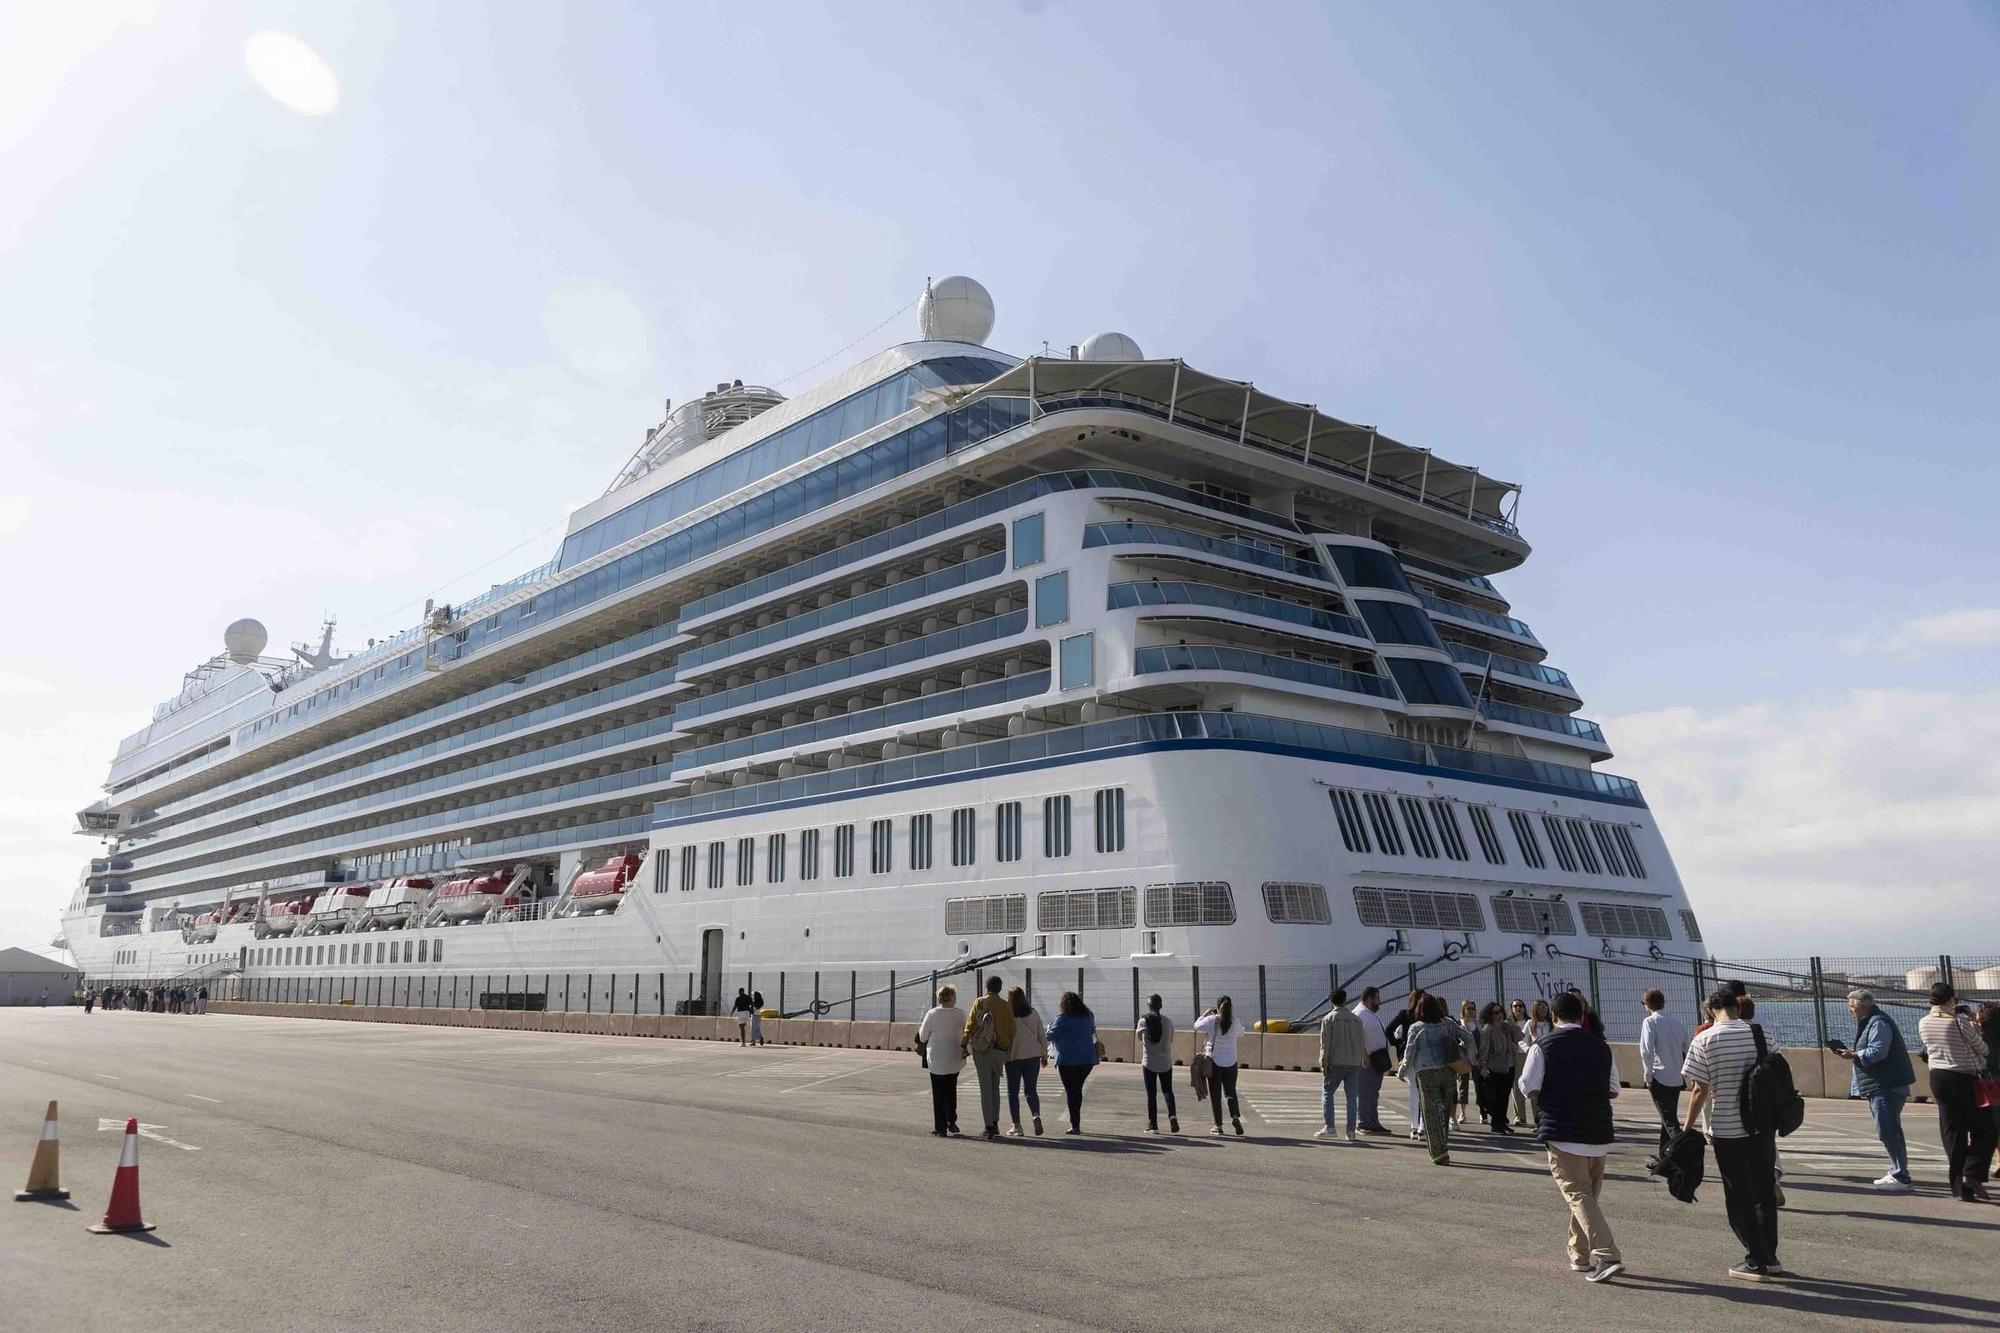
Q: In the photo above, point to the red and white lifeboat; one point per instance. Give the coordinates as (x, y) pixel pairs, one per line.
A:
(336, 908)
(601, 889)
(206, 925)
(475, 896)
(283, 918)
(397, 903)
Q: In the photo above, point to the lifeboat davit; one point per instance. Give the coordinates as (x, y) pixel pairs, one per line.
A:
(397, 903)
(467, 899)
(283, 918)
(601, 889)
(336, 909)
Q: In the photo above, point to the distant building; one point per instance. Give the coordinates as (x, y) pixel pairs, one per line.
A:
(24, 976)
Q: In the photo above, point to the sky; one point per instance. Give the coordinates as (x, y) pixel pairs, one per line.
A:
(313, 310)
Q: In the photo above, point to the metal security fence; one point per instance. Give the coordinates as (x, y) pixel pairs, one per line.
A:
(1802, 1001)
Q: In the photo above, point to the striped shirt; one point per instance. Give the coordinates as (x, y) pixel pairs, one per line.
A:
(1720, 1057)
(1951, 1043)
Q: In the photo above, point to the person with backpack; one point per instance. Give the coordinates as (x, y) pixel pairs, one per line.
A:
(1219, 1029)
(941, 1043)
(1957, 1057)
(1720, 1063)
(1027, 1056)
(1343, 1053)
(1570, 1072)
(989, 1036)
(1074, 1035)
(1882, 1076)
(1155, 1035)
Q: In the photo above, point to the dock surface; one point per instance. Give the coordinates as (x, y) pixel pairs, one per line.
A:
(308, 1174)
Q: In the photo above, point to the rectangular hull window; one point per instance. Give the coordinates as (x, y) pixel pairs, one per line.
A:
(1297, 904)
(715, 865)
(963, 828)
(1007, 831)
(1418, 909)
(1524, 834)
(1450, 836)
(879, 838)
(1383, 822)
(1532, 916)
(1055, 827)
(1200, 903)
(1489, 837)
(920, 842)
(1111, 819)
(1086, 909)
(1623, 921)
(809, 854)
(774, 857)
(1347, 812)
(746, 862)
(1002, 914)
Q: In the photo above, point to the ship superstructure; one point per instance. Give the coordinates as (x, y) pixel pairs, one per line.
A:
(1095, 659)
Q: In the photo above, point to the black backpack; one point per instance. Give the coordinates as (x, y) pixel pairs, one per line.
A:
(1770, 1103)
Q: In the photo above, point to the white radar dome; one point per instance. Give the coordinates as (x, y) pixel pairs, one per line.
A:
(244, 640)
(1110, 347)
(955, 309)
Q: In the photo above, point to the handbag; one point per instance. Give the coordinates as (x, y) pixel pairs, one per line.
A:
(1379, 1060)
(1986, 1091)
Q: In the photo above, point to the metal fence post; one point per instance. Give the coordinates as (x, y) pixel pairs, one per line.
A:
(1499, 981)
(1194, 975)
(1819, 1001)
(1263, 1010)
(1413, 977)
(1028, 983)
(853, 988)
(781, 991)
(1595, 1006)
(892, 997)
(1944, 970)
(1332, 979)
(816, 992)
(1135, 997)
(661, 992)
(1079, 983)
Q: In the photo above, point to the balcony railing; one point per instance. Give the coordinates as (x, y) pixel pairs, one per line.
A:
(1132, 532)
(963, 700)
(1510, 666)
(909, 590)
(1444, 571)
(1217, 657)
(1496, 711)
(1159, 730)
(1174, 592)
(1504, 624)
(827, 673)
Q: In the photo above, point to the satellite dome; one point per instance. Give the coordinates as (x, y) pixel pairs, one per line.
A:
(1110, 347)
(244, 640)
(955, 309)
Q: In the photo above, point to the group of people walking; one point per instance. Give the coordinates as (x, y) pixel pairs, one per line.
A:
(1004, 1037)
(1547, 1067)
(149, 999)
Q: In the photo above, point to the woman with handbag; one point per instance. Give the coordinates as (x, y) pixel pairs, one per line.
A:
(1398, 1033)
(941, 1044)
(1218, 1026)
(1026, 1059)
(1957, 1056)
(1435, 1057)
(1074, 1035)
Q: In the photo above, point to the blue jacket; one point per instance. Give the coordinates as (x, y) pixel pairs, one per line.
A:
(1075, 1040)
(1881, 1061)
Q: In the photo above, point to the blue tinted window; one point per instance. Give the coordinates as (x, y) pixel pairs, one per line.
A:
(1078, 661)
(1393, 622)
(1361, 567)
(1429, 683)
(1028, 541)
(1051, 599)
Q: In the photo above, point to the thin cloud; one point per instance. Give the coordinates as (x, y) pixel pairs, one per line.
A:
(1972, 627)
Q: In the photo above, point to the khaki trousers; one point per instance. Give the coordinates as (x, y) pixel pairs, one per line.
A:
(1580, 1179)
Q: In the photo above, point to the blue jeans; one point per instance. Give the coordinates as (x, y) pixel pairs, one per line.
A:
(1341, 1076)
(1022, 1076)
(1887, 1108)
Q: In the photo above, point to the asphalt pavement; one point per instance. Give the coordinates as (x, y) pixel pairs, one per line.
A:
(307, 1174)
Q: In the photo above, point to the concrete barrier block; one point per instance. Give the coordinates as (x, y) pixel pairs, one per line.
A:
(622, 1025)
(1808, 1070)
(1291, 1050)
(831, 1032)
(868, 1036)
(1185, 1047)
(903, 1037)
(1250, 1050)
(1118, 1045)
(673, 1025)
(788, 1031)
(1625, 1059)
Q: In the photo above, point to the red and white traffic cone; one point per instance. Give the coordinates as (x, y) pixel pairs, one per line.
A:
(43, 1172)
(123, 1213)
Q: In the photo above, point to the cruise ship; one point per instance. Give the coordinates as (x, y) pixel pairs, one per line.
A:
(1091, 665)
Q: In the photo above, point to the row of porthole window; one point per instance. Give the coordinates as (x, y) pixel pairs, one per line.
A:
(1428, 826)
(724, 861)
(359, 952)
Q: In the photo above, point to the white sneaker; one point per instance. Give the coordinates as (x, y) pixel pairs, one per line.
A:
(1218, 1131)
(1014, 1133)
(1890, 1185)
(1326, 1133)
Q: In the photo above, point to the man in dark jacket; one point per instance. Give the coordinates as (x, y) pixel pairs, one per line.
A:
(1571, 1071)
(1883, 1075)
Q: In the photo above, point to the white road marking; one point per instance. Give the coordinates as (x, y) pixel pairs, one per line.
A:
(198, 1097)
(831, 1077)
(146, 1132)
(113, 1077)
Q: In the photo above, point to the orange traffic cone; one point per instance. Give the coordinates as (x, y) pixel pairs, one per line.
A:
(43, 1175)
(123, 1214)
